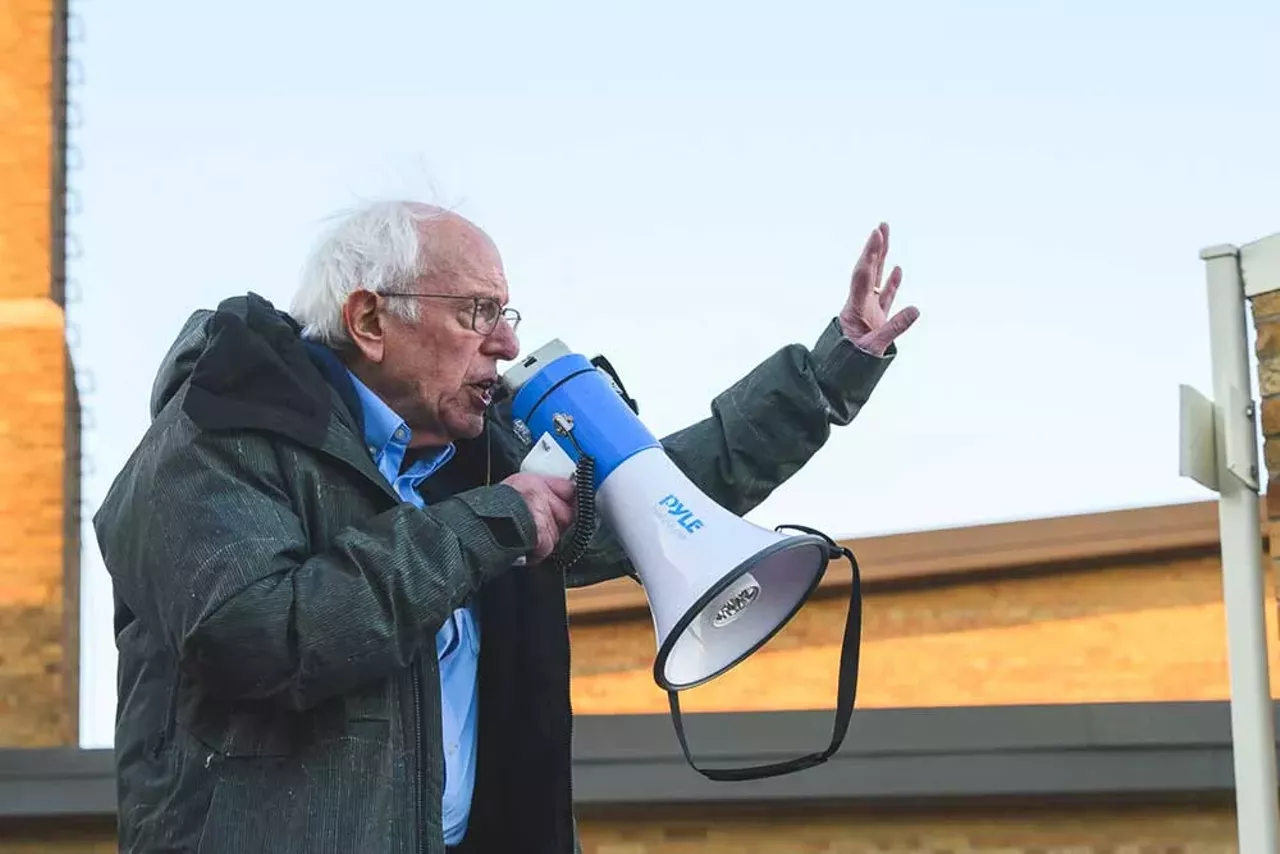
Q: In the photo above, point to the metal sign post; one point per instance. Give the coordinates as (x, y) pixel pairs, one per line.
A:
(1219, 450)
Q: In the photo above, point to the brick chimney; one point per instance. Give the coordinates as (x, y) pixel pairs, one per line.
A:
(39, 589)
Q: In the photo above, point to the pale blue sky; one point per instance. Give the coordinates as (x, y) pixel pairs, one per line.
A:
(1050, 172)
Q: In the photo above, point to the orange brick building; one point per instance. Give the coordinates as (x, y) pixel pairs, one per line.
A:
(1035, 686)
(38, 465)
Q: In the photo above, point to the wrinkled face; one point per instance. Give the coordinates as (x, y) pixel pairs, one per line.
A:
(438, 372)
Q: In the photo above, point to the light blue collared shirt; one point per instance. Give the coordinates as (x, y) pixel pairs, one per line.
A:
(386, 439)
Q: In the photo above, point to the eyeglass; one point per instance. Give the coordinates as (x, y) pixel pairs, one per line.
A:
(485, 312)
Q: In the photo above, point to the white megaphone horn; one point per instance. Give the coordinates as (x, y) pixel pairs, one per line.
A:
(718, 586)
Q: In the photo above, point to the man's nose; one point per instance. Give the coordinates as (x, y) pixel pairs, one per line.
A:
(502, 342)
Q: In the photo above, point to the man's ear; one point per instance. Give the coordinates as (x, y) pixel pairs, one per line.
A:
(364, 324)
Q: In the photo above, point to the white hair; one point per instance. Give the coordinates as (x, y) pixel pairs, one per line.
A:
(377, 247)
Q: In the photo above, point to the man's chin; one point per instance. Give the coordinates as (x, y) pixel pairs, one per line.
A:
(470, 427)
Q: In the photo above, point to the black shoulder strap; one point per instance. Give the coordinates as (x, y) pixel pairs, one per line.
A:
(846, 691)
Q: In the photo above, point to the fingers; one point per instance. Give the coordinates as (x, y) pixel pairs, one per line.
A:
(900, 322)
(866, 273)
(547, 539)
(552, 512)
(881, 254)
(561, 487)
(560, 502)
(890, 289)
(874, 240)
(561, 513)
(878, 342)
(550, 501)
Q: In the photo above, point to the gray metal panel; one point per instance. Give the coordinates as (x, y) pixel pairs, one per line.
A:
(950, 779)
(891, 758)
(912, 731)
(904, 756)
(49, 782)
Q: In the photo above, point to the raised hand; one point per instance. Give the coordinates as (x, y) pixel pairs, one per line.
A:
(865, 317)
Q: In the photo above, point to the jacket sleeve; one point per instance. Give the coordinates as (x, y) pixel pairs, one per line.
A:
(761, 431)
(220, 566)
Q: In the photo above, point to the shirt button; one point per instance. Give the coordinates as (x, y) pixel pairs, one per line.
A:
(400, 433)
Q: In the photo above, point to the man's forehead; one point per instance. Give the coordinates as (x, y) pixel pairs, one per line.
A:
(493, 284)
(464, 258)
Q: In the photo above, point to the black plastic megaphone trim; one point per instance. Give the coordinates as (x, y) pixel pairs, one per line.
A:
(846, 690)
(691, 613)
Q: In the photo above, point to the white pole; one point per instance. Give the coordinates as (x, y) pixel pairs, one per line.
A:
(1252, 722)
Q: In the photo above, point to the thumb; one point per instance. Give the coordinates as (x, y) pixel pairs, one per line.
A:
(879, 340)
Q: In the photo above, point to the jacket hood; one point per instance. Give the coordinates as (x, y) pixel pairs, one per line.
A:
(244, 365)
(180, 360)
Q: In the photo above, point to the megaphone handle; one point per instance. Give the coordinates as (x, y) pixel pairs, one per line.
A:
(846, 693)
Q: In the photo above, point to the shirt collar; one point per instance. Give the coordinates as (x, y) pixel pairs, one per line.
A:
(386, 435)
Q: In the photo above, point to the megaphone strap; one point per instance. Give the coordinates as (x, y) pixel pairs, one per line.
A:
(846, 690)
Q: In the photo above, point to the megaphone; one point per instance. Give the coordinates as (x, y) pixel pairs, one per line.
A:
(718, 586)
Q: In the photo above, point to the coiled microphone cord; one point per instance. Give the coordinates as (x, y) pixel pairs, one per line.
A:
(584, 493)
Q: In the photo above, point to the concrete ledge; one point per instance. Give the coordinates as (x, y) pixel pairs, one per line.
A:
(900, 757)
(56, 782)
(32, 313)
(892, 758)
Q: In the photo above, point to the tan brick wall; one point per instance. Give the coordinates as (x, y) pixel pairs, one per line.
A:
(1200, 828)
(58, 837)
(1151, 632)
(1266, 321)
(37, 667)
(1193, 828)
(26, 143)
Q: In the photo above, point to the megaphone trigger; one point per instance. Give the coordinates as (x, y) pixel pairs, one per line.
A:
(547, 458)
(718, 586)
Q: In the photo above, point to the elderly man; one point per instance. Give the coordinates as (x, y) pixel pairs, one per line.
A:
(328, 639)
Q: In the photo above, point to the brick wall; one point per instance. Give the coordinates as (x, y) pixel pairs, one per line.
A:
(1200, 828)
(1266, 321)
(58, 837)
(37, 606)
(26, 135)
(1145, 632)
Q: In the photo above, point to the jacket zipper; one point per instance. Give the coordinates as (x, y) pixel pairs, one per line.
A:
(420, 762)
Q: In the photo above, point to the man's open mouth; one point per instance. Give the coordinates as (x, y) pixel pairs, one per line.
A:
(487, 389)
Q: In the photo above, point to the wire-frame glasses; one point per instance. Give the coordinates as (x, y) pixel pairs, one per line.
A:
(485, 312)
